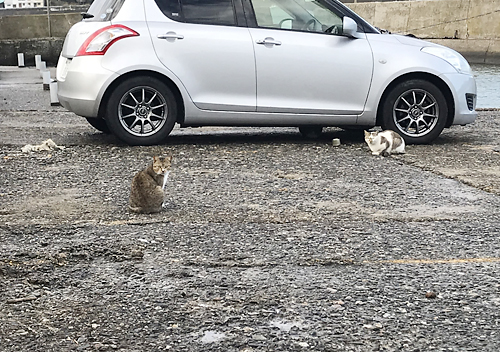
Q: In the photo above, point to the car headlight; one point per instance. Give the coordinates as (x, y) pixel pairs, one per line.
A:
(450, 56)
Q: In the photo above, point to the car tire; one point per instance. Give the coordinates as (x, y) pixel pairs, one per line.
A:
(141, 111)
(311, 132)
(99, 124)
(415, 109)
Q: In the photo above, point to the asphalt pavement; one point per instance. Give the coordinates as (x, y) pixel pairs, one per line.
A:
(269, 242)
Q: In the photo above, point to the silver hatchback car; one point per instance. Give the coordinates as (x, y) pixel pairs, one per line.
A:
(135, 68)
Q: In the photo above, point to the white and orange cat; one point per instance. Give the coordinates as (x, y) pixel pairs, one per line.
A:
(147, 189)
(385, 143)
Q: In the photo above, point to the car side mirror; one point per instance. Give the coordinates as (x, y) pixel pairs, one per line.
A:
(350, 28)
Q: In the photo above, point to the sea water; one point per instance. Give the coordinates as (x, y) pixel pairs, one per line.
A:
(488, 84)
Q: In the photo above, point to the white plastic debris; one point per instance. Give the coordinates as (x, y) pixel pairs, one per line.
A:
(46, 145)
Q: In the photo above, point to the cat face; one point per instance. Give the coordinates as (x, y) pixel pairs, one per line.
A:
(161, 166)
(370, 136)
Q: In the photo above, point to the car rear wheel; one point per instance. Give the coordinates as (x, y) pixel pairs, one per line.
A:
(141, 111)
(417, 110)
(99, 124)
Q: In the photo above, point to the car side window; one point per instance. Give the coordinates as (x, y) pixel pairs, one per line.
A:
(215, 12)
(302, 15)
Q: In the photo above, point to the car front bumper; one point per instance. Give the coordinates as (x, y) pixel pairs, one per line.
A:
(464, 92)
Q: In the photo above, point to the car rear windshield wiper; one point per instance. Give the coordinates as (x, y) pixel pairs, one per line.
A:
(86, 15)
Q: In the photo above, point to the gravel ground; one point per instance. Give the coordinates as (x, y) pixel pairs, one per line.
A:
(269, 242)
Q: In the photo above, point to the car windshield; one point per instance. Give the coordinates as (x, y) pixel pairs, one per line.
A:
(103, 10)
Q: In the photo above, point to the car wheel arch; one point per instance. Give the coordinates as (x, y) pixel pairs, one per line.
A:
(145, 73)
(438, 82)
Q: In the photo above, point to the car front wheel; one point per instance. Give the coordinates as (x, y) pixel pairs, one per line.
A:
(141, 111)
(415, 109)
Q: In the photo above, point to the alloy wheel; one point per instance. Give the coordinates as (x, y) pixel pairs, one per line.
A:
(416, 112)
(142, 111)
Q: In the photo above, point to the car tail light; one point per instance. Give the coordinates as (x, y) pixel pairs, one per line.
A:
(100, 41)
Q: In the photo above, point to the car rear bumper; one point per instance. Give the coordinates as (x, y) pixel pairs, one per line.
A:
(80, 87)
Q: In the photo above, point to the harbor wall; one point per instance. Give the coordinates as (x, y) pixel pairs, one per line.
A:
(472, 27)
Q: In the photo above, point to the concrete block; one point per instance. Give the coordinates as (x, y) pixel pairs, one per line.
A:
(38, 61)
(42, 68)
(54, 99)
(46, 79)
(20, 60)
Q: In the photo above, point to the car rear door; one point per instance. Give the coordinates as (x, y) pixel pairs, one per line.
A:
(303, 63)
(207, 45)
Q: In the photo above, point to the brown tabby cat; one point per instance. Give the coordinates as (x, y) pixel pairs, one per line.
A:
(146, 191)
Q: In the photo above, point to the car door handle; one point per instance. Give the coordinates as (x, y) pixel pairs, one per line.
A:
(170, 35)
(268, 41)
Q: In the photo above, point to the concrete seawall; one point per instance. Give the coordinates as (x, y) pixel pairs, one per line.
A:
(471, 27)
(31, 35)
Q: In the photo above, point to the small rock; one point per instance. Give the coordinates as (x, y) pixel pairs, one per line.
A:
(376, 326)
(430, 294)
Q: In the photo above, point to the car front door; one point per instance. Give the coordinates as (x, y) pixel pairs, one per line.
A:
(205, 44)
(304, 65)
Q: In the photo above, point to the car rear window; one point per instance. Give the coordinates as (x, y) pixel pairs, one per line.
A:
(216, 12)
(104, 10)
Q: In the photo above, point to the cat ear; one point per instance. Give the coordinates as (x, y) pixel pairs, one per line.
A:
(156, 159)
(168, 158)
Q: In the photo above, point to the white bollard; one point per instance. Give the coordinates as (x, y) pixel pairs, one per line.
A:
(46, 79)
(54, 100)
(43, 68)
(38, 59)
(20, 60)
